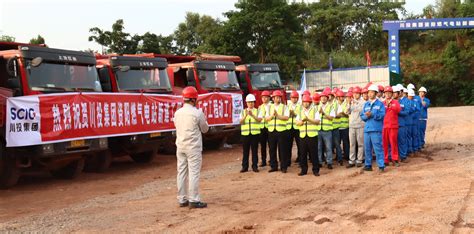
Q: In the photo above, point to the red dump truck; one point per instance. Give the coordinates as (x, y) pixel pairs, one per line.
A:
(255, 78)
(135, 74)
(31, 70)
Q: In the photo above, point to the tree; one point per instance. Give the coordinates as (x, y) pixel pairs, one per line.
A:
(115, 41)
(7, 38)
(38, 40)
(158, 44)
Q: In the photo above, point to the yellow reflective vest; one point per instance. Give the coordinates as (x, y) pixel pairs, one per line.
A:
(250, 125)
(308, 129)
(275, 123)
(291, 123)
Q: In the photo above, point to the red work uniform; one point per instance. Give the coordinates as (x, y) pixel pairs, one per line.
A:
(390, 128)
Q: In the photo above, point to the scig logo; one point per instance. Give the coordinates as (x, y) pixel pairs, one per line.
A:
(22, 113)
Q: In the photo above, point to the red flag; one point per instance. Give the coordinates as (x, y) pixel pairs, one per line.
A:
(367, 56)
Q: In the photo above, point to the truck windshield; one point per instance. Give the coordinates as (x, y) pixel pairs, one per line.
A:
(143, 79)
(265, 80)
(220, 79)
(52, 77)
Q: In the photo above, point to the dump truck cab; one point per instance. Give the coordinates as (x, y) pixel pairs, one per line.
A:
(33, 70)
(135, 74)
(255, 78)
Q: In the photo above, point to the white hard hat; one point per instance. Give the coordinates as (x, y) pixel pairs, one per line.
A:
(250, 98)
(410, 86)
(405, 90)
(373, 87)
(423, 89)
(411, 93)
(395, 88)
(400, 87)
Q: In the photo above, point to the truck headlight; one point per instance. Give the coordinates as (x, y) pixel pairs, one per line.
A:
(133, 138)
(48, 148)
(103, 143)
(173, 133)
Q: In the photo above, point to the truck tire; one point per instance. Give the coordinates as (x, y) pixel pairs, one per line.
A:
(70, 171)
(144, 157)
(99, 162)
(9, 172)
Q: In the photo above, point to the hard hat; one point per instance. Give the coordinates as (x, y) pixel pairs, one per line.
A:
(411, 93)
(190, 93)
(294, 94)
(410, 86)
(373, 88)
(306, 98)
(388, 89)
(357, 89)
(307, 92)
(423, 89)
(327, 89)
(277, 93)
(400, 87)
(339, 93)
(324, 93)
(364, 90)
(405, 90)
(316, 97)
(395, 88)
(349, 94)
(250, 98)
(266, 93)
(350, 89)
(381, 88)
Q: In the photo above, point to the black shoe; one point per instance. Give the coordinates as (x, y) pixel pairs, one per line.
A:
(404, 160)
(197, 205)
(283, 170)
(243, 170)
(184, 204)
(381, 169)
(350, 165)
(320, 165)
(301, 173)
(255, 169)
(330, 166)
(316, 173)
(358, 164)
(273, 170)
(341, 163)
(263, 165)
(367, 168)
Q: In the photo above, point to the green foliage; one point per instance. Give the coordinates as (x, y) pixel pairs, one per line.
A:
(7, 38)
(37, 41)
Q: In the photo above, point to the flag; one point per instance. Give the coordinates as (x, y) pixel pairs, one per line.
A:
(303, 82)
(330, 63)
(367, 56)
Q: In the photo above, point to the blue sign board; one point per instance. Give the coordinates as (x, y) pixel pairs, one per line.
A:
(393, 27)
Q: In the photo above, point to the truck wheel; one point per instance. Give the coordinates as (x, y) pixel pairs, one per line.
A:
(99, 162)
(71, 171)
(9, 172)
(144, 157)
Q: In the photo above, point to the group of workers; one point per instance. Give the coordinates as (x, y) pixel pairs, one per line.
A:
(389, 122)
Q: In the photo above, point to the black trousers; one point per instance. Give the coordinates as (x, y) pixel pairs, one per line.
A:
(278, 141)
(263, 138)
(250, 142)
(344, 133)
(309, 150)
(293, 134)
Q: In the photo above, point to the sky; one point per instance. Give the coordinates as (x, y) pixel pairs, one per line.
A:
(65, 24)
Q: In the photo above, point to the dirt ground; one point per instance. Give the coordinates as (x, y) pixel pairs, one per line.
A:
(434, 192)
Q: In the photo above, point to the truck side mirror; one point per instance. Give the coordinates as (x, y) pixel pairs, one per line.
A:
(190, 77)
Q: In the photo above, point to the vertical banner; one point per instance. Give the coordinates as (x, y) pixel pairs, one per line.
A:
(40, 119)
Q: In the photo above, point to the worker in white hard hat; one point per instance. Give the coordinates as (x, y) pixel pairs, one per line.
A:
(425, 103)
(411, 86)
(373, 115)
(250, 125)
(403, 115)
(412, 128)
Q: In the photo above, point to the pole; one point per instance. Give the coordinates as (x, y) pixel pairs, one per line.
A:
(368, 74)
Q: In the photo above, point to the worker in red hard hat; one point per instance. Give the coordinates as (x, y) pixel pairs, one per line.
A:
(365, 94)
(326, 114)
(342, 113)
(390, 127)
(380, 93)
(356, 129)
(308, 120)
(190, 123)
(277, 133)
(316, 100)
(291, 126)
(336, 122)
(264, 108)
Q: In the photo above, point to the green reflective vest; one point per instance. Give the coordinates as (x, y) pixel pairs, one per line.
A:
(274, 123)
(263, 111)
(344, 120)
(336, 122)
(326, 124)
(308, 129)
(291, 123)
(250, 125)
